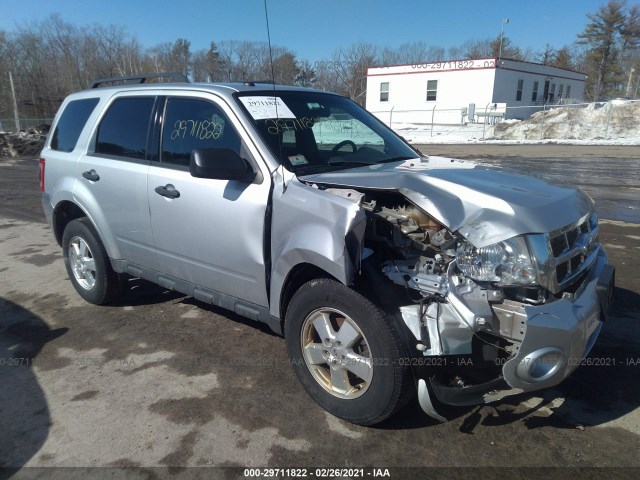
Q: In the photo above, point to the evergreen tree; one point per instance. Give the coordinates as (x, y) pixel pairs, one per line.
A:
(285, 69)
(180, 56)
(563, 58)
(215, 66)
(603, 37)
(306, 75)
(547, 56)
(509, 51)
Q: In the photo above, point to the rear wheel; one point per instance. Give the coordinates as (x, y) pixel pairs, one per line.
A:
(88, 264)
(345, 352)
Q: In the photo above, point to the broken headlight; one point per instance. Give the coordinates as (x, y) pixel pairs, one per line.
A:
(506, 263)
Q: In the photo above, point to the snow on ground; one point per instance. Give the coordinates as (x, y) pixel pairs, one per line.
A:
(610, 123)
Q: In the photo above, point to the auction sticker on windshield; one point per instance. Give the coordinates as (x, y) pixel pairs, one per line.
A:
(262, 108)
(297, 160)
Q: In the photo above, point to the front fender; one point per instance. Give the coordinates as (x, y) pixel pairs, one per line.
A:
(311, 226)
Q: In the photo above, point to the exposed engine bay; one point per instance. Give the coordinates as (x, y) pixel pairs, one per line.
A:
(446, 312)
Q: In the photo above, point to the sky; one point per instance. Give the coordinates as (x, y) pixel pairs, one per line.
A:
(313, 29)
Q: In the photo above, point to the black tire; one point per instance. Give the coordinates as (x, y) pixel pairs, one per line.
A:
(361, 402)
(100, 286)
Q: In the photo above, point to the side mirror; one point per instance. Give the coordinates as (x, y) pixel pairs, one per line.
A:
(220, 164)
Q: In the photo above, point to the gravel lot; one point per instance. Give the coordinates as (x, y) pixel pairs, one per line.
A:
(163, 382)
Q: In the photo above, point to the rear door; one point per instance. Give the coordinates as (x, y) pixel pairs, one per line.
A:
(212, 234)
(112, 179)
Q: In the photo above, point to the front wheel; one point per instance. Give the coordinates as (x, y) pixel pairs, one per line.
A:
(345, 353)
(88, 264)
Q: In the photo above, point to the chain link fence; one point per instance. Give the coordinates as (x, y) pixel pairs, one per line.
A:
(547, 120)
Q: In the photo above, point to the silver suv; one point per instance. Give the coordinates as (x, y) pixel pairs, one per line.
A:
(387, 272)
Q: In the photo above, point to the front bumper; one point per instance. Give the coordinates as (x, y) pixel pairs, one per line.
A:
(558, 336)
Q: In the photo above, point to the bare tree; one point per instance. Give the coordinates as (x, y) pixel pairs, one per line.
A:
(349, 70)
(158, 58)
(477, 49)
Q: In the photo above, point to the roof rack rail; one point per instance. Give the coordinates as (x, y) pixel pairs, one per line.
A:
(268, 82)
(173, 76)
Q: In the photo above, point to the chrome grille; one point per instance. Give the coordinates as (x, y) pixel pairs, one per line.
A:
(572, 249)
(563, 257)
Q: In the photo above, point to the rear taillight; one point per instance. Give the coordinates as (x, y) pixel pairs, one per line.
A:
(41, 174)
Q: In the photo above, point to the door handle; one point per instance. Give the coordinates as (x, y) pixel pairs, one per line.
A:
(91, 175)
(168, 191)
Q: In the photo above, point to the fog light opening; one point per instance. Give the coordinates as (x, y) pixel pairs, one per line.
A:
(541, 365)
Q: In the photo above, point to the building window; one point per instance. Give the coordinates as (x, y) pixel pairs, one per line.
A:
(534, 95)
(384, 92)
(568, 91)
(552, 92)
(432, 90)
(519, 90)
(560, 89)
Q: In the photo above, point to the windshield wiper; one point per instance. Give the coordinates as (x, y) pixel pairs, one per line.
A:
(356, 163)
(397, 159)
(347, 162)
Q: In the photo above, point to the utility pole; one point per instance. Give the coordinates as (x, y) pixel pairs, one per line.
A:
(504, 22)
(15, 104)
(627, 92)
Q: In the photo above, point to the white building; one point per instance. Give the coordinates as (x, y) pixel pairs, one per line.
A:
(458, 91)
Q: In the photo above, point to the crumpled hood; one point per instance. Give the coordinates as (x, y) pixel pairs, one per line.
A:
(485, 204)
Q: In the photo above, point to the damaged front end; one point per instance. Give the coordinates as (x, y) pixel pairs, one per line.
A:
(483, 320)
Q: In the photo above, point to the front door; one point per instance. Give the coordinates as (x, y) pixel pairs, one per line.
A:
(546, 91)
(207, 232)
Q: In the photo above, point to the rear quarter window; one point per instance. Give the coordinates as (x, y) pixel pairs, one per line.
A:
(124, 128)
(67, 131)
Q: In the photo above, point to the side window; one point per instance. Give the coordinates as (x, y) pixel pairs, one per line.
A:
(519, 90)
(71, 123)
(190, 124)
(384, 92)
(124, 128)
(534, 95)
(568, 91)
(432, 90)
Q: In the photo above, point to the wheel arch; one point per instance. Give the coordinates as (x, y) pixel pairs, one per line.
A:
(63, 213)
(66, 211)
(298, 276)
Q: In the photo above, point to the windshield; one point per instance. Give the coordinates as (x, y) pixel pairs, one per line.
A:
(313, 132)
